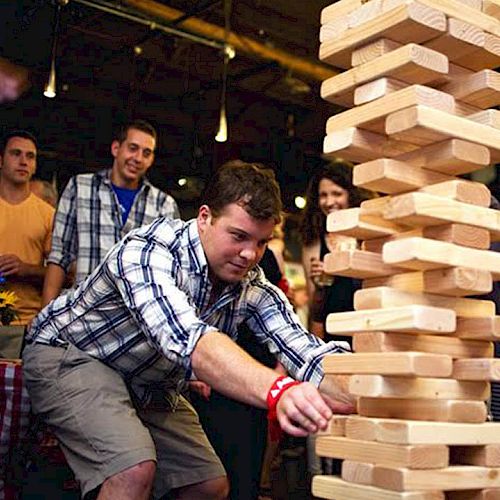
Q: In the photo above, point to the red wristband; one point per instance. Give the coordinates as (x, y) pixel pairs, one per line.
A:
(281, 384)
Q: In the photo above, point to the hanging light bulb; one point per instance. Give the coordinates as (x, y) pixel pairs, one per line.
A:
(222, 132)
(50, 87)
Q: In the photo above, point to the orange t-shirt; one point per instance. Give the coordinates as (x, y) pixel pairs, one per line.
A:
(25, 231)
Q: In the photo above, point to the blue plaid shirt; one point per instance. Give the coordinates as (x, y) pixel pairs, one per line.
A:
(88, 220)
(143, 310)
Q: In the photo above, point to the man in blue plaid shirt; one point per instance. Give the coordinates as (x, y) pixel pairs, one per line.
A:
(96, 210)
(106, 363)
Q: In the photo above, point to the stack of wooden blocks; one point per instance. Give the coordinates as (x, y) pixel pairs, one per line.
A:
(419, 80)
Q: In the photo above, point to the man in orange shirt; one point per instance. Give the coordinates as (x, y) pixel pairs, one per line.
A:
(25, 224)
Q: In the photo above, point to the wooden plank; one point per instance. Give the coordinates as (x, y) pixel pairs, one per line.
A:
(459, 477)
(379, 386)
(357, 264)
(359, 145)
(458, 234)
(425, 125)
(456, 281)
(377, 89)
(487, 455)
(389, 363)
(481, 89)
(452, 156)
(442, 410)
(490, 117)
(372, 50)
(460, 40)
(492, 8)
(334, 30)
(404, 24)
(387, 175)
(478, 328)
(424, 254)
(410, 319)
(411, 456)
(351, 222)
(410, 63)
(335, 426)
(477, 369)
(382, 297)
(357, 472)
(422, 209)
(371, 116)
(484, 494)
(339, 9)
(485, 57)
(413, 432)
(436, 344)
(332, 487)
(362, 428)
(474, 193)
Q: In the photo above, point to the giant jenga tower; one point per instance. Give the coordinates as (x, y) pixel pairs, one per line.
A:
(419, 79)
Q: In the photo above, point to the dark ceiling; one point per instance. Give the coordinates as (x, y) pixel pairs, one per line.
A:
(110, 67)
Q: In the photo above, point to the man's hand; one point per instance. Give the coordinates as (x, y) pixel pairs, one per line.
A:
(12, 265)
(200, 388)
(13, 80)
(302, 410)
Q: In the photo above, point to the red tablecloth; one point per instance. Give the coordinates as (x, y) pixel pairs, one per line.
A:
(14, 419)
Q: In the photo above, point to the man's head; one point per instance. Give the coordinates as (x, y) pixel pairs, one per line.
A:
(44, 190)
(18, 151)
(133, 152)
(241, 206)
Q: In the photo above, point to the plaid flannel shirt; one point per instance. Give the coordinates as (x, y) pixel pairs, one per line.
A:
(88, 221)
(144, 308)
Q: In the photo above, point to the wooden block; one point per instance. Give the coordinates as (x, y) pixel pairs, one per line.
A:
(382, 297)
(378, 386)
(477, 369)
(391, 176)
(410, 63)
(475, 4)
(474, 193)
(359, 145)
(339, 9)
(460, 40)
(372, 50)
(424, 125)
(458, 234)
(357, 264)
(405, 23)
(390, 363)
(371, 116)
(478, 328)
(357, 472)
(410, 319)
(481, 89)
(412, 456)
(334, 30)
(442, 410)
(489, 117)
(377, 89)
(487, 455)
(492, 8)
(351, 222)
(422, 209)
(436, 344)
(332, 487)
(456, 281)
(485, 57)
(459, 477)
(484, 494)
(452, 156)
(362, 428)
(408, 432)
(335, 427)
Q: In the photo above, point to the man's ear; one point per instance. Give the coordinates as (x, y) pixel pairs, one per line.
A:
(204, 217)
(115, 145)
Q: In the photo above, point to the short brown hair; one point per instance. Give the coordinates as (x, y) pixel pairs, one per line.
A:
(141, 125)
(251, 185)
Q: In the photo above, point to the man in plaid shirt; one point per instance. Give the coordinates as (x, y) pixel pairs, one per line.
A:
(106, 363)
(97, 210)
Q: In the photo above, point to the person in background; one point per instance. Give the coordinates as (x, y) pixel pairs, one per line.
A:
(106, 364)
(96, 210)
(13, 80)
(44, 190)
(25, 224)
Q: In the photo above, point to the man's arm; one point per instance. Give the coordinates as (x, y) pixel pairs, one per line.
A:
(52, 286)
(13, 268)
(219, 362)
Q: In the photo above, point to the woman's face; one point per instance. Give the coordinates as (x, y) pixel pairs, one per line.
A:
(331, 196)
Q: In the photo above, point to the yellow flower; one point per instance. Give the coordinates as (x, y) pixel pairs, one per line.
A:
(7, 299)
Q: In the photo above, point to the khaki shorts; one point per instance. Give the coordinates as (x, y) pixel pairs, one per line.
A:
(88, 407)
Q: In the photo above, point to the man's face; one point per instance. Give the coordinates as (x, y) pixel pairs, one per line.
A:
(233, 242)
(18, 163)
(133, 157)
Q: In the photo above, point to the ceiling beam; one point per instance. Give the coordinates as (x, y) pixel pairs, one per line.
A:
(252, 48)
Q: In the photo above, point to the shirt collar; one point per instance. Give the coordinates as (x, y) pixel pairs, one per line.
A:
(105, 176)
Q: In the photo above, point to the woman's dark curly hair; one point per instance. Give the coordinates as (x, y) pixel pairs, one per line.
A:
(313, 224)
